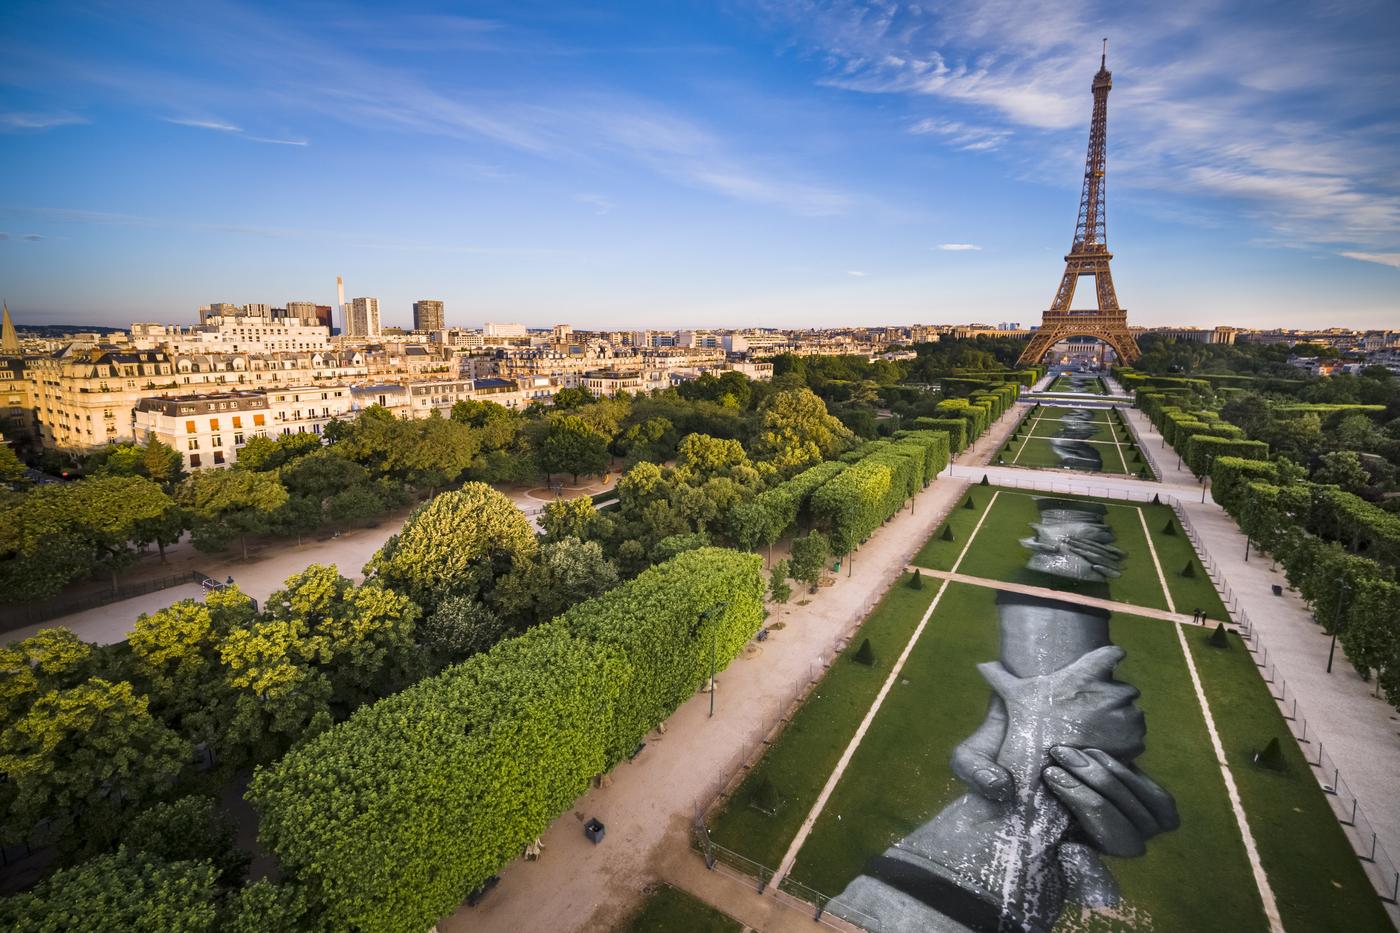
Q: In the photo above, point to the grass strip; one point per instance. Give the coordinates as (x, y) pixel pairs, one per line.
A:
(1317, 880)
(797, 765)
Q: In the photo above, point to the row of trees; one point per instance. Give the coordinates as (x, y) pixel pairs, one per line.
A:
(1340, 551)
(453, 777)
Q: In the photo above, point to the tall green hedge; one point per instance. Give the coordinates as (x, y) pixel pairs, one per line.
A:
(955, 428)
(1229, 476)
(849, 507)
(1203, 449)
(393, 817)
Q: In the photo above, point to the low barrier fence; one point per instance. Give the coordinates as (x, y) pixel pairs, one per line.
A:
(14, 617)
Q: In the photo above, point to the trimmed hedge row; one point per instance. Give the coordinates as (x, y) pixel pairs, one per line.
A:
(394, 816)
(955, 428)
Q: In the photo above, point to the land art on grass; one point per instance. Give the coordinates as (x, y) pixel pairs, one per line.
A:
(1079, 439)
(899, 779)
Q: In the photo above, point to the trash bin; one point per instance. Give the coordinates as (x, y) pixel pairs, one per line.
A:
(594, 830)
(1278, 590)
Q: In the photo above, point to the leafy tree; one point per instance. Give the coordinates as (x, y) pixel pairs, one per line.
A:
(778, 589)
(796, 431)
(124, 890)
(573, 397)
(231, 503)
(460, 627)
(85, 756)
(671, 545)
(1342, 468)
(564, 573)
(653, 439)
(50, 659)
(809, 556)
(573, 446)
(191, 829)
(12, 470)
(297, 517)
(321, 475)
(176, 656)
(261, 454)
(703, 457)
(355, 506)
(56, 534)
(265, 907)
(572, 518)
(458, 543)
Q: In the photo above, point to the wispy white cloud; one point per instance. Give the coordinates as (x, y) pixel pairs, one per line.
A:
(600, 204)
(856, 273)
(15, 121)
(960, 135)
(1384, 259)
(220, 126)
(957, 247)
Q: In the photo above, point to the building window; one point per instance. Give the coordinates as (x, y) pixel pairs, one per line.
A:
(213, 424)
(238, 438)
(189, 427)
(257, 419)
(218, 456)
(194, 443)
(194, 461)
(237, 421)
(217, 440)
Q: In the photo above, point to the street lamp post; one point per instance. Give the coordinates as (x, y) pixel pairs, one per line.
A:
(1205, 479)
(1342, 591)
(710, 615)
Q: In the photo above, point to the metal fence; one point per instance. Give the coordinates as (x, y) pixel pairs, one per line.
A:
(1360, 832)
(20, 616)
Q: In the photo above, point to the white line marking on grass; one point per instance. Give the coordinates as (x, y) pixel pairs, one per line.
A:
(1026, 440)
(790, 856)
(1152, 549)
(1261, 880)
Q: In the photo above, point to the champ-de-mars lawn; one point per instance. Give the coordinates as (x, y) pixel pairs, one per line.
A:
(1197, 877)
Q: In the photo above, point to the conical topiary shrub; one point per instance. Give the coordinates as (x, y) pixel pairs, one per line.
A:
(1169, 528)
(1189, 570)
(1271, 757)
(947, 533)
(1219, 638)
(1156, 499)
(1142, 474)
(765, 797)
(1137, 458)
(916, 582)
(865, 654)
(985, 481)
(969, 504)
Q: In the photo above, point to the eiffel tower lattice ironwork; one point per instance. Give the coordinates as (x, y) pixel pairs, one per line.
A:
(1089, 255)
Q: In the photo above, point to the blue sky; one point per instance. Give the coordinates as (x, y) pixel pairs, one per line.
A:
(690, 164)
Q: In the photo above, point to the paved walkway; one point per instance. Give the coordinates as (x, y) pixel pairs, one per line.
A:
(649, 802)
(1357, 730)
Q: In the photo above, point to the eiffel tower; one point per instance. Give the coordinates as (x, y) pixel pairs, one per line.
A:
(1089, 254)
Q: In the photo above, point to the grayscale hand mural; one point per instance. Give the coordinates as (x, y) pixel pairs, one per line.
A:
(1050, 774)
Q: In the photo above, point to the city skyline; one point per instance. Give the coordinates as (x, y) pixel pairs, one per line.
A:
(762, 164)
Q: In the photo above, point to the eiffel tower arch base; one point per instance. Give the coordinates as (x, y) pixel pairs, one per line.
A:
(1111, 328)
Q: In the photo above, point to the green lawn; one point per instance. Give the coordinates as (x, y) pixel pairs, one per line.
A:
(799, 762)
(1317, 880)
(899, 778)
(671, 909)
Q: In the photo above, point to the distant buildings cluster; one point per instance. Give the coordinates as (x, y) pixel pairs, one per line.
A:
(255, 369)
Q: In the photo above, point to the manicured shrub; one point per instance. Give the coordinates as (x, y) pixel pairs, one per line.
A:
(865, 654)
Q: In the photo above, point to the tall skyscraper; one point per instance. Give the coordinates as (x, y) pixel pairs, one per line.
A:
(362, 319)
(428, 315)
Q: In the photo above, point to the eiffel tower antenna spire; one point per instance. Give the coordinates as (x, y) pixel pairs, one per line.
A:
(1088, 253)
